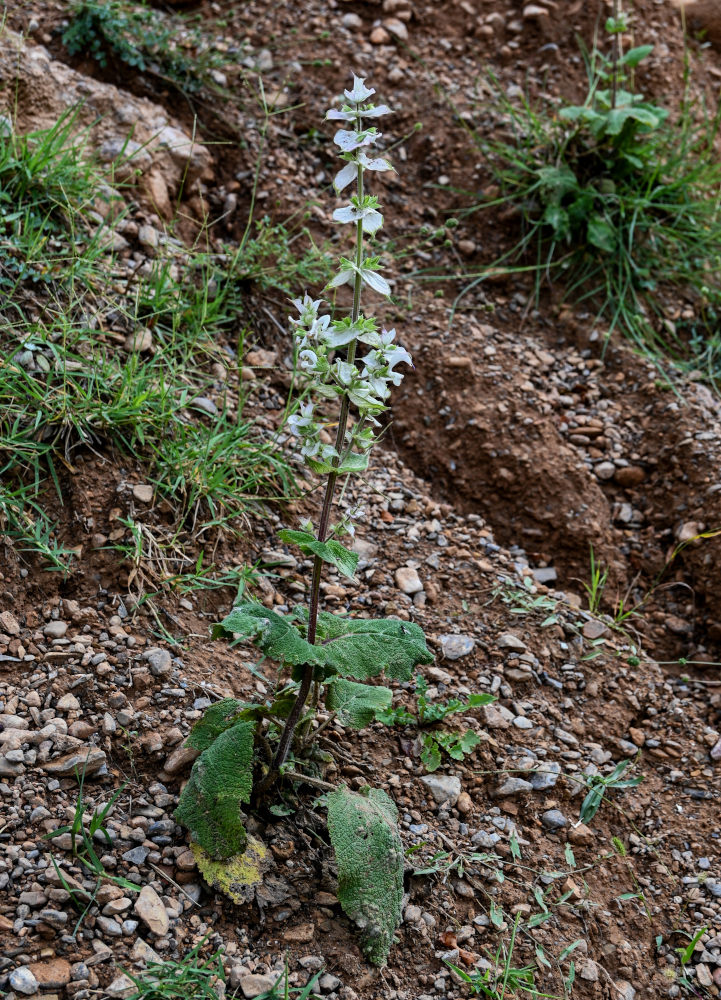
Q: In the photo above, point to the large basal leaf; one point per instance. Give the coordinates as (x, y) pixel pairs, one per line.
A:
(221, 779)
(363, 829)
(277, 636)
(354, 647)
(331, 552)
(363, 648)
(216, 719)
(356, 705)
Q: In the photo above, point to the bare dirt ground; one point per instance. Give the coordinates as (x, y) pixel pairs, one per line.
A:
(518, 442)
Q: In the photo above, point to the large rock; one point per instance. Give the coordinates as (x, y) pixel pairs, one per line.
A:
(38, 90)
(443, 787)
(149, 907)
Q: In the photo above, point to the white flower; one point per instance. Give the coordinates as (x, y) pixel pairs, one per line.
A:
(349, 140)
(345, 176)
(375, 281)
(376, 163)
(360, 92)
(340, 336)
(397, 355)
(372, 112)
(299, 422)
(308, 360)
(371, 218)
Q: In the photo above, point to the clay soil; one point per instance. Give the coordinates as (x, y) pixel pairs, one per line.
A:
(488, 482)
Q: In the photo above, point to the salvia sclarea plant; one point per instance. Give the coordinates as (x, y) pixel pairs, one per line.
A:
(247, 750)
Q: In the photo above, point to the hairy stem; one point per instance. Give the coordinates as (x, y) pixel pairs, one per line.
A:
(307, 679)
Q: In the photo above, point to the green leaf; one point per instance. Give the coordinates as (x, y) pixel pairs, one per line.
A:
(363, 830)
(363, 648)
(216, 719)
(591, 804)
(430, 753)
(357, 704)
(469, 741)
(271, 632)
(221, 779)
(601, 234)
(634, 56)
(331, 552)
(496, 914)
(476, 700)
(569, 855)
(354, 647)
(557, 218)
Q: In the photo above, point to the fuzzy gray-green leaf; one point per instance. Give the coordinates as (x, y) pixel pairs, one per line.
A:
(357, 704)
(331, 552)
(277, 636)
(216, 719)
(363, 648)
(221, 779)
(363, 830)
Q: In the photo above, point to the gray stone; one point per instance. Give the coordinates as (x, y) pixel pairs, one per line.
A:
(149, 237)
(149, 907)
(522, 722)
(412, 914)
(456, 646)
(55, 629)
(624, 990)
(514, 786)
(497, 716)
(328, 983)
(254, 985)
(121, 986)
(510, 641)
(553, 819)
(588, 970)
(605, 470)
(545, 777)
(109, 927)
(484, 839)
(159, 660)
(443, 787)
(23, 981)
(137, 855)
(545, 574)
(408, 581)
(86, 759)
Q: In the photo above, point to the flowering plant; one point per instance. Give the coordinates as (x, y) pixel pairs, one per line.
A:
(246, 749)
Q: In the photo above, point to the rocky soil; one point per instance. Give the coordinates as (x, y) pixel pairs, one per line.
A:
(517, 443)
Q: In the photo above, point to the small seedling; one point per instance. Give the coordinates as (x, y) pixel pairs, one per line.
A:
(83, 848)
(599, 784)
(595, 588)
(502, 980)
(456, 745)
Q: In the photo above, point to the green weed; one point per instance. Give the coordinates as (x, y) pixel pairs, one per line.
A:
(594, 589)
(618, 203)
(147, 40)
(599, 784)
(456, 745)
(191, 978)
(83, 833)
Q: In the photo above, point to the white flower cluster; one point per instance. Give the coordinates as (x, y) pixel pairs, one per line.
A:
(365, 382)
